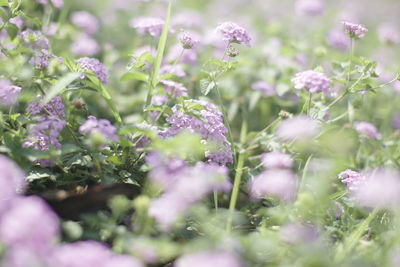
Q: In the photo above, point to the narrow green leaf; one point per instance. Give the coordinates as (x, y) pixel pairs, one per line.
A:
(12, 30)
(60, 85)
(3, 2)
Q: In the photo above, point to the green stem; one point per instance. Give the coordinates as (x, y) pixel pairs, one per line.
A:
(238, 177)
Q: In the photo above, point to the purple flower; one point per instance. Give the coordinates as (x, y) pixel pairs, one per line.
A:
(208, 123)
(29, 223)
(388, 33)
(17, 21)
(352, 179)
(176, 70)
(34, 39)
(187, 40)
(148, 25)
(396, 121)
(80, 254)
(367, 129)
(233, 33)
(266, 88)
(94, 65)
(12, 182)
(295, 233)
(49, 123)
(354, 30)
(41, 58)
(56, 3)
(209, 259)
(337, 39)
(309, 7)
(8, 93)
(313, 81)
(103, 127)
(379, 190)
(84, 45)
(86, 21)
(174, 89)
(277, 160)
(274, 183)
(298, 127)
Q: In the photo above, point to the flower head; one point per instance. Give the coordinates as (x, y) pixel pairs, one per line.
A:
(313, 81)
(309, 7)
(86, 21)
(84, 45)
(367, 129)
(103, 127)
(354, 30)
(298, 127)
(277, 160)
(174, 89)
(233, 33)
(388, 33)
(8, 93)
(187, 40)
(94, 65)
(352, 179)
(148, 25)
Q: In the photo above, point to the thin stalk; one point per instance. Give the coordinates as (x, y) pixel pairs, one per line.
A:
(157, 64)
(309, 103)
(238, 177)
(350, 58)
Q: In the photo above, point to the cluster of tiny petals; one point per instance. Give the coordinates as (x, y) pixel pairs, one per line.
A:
(174, 89)
(354, 30)
(208, 124)
(99, 126)
(94, 65)
(277, 160)
(84, 45)
(148, 25)
(367, 129)
(233, 33)
(352, 179)
(86, 21)
(313, 81)
(8, 93)
(187, 40)
(50, 122)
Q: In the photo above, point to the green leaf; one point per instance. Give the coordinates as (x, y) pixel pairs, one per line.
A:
(134, 76)
(3, 2)
(39, 173)
(12, 30)
(60, 85)
(206, 86)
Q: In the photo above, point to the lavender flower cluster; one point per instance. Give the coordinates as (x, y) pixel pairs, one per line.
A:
(50, 121)
(8, 93)
(208, 124)
(313, 81)
(102, 127)
(233, 33)
(95, 66)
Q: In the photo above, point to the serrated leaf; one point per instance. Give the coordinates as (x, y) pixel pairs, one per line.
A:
(134, 76)
(206, 86)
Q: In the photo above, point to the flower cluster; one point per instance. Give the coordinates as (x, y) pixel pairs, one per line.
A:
(209, 124)
(367, 129)
(148, 25)
(352, 179)
(50, 121)
(86, 21)
(183, 185)
(187, 41)
(94, 65)
(233, 33)
(309, 7)
(354, 30)
(8, 93)
(277, 180)
(102, 127)
(313, 81)
(84, 45)
(174, 89)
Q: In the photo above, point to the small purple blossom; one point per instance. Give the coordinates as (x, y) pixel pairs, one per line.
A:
(34, 39)
(17, 21)
(103, 127)
(296, 233)
(352, 179)
(23, 225)
(313, 81)
(94, 65)
(233, 33)
(339, 40)
(309, 7)
(8, 93)
(86, 21)
(176, 70)
(210, 259)
(56, 3)
(174, 89)
(85, 45)
(354, 30)
(389, 34)
(264, 87)
(277, 160)
(187, 40)
(298, 127)
(367, 129)
(148, 25)
(274, 183)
